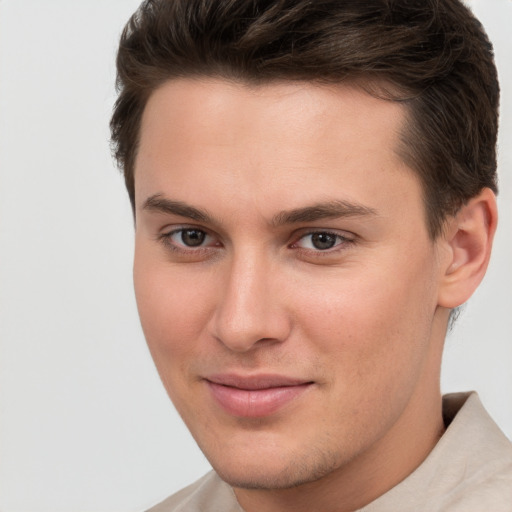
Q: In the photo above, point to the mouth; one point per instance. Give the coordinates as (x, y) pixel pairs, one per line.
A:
(255, 396)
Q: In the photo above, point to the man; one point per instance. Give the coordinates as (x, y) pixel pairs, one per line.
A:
(313, 186)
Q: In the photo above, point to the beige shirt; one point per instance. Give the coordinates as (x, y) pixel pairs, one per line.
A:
(469, 470)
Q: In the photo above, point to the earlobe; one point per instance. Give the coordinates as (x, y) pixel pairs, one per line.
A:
(468, 239)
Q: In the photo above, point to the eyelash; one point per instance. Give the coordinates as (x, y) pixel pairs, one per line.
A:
(341, 242)
(166, 239)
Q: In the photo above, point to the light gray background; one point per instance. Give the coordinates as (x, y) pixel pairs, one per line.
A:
(84, 422)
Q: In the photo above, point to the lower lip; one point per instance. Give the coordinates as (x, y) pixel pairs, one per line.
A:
(255, 403)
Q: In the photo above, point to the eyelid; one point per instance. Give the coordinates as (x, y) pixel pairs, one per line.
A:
(165, 236)
(344, 238)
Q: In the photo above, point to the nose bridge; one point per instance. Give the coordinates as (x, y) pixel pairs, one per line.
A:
(247, 311)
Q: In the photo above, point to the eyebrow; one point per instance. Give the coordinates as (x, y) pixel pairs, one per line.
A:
(318, 211)
(157, 203)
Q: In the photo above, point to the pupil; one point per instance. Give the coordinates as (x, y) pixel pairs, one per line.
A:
(323, 240)
(192, 237)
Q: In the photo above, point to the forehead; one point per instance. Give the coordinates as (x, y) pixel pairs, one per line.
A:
(304, 111)
(279, 142)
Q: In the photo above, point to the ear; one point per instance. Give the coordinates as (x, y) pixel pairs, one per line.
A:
(468, 241)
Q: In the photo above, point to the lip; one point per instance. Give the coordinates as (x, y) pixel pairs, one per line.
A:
(256, 395)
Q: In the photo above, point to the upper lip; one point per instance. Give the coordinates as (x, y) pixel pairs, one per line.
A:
(255, 382)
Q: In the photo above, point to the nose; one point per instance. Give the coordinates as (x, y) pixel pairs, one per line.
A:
(250, 309)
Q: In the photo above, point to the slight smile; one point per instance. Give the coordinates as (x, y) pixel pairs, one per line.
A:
(255, 396)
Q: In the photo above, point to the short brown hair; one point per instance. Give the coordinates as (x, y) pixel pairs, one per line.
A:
(433, 55)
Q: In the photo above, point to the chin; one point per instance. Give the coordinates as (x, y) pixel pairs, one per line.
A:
(256, 473)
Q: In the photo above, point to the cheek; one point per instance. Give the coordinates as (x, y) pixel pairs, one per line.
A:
(173, 313)
(372, 323)
(173, 310)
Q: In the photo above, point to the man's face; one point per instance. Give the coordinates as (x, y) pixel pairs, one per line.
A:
(285, 279)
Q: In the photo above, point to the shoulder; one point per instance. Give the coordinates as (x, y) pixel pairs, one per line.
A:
(484, 456)
(490, 489)
(472, 468)
(208, 494)
(469, 470)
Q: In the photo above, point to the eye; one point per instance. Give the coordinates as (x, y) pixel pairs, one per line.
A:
(188, 238)
(191, 237)
(321, 241)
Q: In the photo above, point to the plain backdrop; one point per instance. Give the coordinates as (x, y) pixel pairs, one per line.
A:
(85, 425)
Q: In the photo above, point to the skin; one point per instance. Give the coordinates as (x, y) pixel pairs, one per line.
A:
(362, 322)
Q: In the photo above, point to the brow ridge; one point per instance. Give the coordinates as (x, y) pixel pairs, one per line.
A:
(159, 203)
(319, 211)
